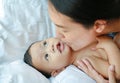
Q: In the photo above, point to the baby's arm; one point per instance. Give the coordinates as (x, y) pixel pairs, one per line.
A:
(113, 53)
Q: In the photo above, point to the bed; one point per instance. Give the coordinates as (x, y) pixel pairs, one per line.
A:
(21, 23)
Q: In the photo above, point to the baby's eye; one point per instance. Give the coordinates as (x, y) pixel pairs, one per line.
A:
(45, 43)
(46, 57)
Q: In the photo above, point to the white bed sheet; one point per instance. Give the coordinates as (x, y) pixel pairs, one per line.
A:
(19, 72)
(21, 23)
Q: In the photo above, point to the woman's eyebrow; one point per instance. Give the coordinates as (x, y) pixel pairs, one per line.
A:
(59, 26)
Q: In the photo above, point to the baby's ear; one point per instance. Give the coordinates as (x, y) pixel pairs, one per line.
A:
(99, 25)
(56, 72)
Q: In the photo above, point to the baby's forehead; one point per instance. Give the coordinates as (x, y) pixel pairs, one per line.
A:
(35, 48)
(36, 44)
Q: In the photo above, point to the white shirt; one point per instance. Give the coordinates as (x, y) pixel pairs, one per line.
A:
(72, 75)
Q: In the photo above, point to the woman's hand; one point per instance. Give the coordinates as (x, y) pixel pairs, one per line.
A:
(89, 70)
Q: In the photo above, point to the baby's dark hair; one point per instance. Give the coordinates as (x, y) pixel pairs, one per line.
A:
(28, 60)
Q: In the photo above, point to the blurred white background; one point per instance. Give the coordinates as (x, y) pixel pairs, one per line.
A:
(21, 23)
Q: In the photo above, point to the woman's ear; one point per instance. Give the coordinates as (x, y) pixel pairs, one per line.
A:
(99, 26)
(56, 72)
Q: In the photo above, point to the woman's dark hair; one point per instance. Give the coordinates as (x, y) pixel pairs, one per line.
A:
(88, 11)
(28, 60)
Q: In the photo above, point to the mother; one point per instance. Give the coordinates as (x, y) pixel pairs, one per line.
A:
(79, 22)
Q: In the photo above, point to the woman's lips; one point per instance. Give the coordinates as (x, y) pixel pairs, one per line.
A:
(60, 47)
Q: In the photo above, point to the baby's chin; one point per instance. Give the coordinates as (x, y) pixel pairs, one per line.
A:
(68, 50)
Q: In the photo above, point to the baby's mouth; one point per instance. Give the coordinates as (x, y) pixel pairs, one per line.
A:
(60, 46)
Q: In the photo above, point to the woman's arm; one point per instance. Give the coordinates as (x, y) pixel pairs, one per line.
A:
(113, 53)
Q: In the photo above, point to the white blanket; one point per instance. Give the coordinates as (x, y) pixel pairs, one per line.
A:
(72, 75)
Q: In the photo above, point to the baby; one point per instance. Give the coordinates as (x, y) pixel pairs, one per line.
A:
(51, 56)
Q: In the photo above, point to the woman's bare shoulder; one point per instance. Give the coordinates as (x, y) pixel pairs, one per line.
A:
(117, 39)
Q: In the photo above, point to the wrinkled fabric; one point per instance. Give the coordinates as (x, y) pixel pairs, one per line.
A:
(21, 23)
(19, 72)
(24, 22)
(72, 75)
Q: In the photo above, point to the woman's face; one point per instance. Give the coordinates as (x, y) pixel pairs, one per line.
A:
(50, 54)
(73, 33)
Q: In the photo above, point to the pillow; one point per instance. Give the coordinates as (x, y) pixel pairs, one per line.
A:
(19, 72)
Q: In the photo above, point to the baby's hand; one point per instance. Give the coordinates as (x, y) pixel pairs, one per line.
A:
(89, 70)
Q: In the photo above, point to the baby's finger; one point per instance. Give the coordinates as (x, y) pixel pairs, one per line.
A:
(82, 66)
(88, 64)
(93, 72)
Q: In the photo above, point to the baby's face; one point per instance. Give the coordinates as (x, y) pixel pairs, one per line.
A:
(50, 54)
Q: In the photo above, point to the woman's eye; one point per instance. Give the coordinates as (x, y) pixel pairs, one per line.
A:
(46, 56)
(64, 31)
(45, 43)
